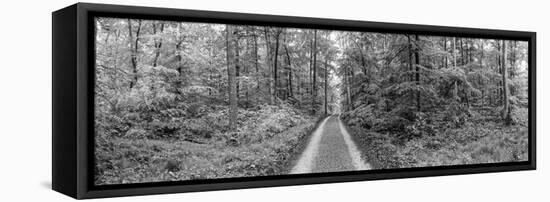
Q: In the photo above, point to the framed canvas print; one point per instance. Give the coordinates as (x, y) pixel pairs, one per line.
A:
(156, 100)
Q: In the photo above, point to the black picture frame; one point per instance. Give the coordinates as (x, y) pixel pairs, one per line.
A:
(73, 93)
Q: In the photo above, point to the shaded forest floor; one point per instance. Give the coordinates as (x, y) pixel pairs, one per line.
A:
(482, 139)
(265, 145)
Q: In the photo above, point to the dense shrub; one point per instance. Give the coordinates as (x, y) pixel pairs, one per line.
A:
(421, 126)
(268, 122)
(520, 116)
(456, 115)
(362, 116)
(398, 120)
(490, 146)
(481, 142)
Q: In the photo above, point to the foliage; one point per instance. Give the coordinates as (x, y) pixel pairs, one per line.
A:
(131, 160)
(178, 100)
(478, 143)
(163, 98)
(430, 101)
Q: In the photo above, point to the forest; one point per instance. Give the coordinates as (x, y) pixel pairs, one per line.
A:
(185, 101)
(416, 101)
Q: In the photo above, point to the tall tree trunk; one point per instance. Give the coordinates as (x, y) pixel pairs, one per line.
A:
(157, 43)
(231, 73)
(246, 66)
(506, 110)
(237, 64)
(256, 63)
(348, 86)
(134, 50)
(495, 93)
(210, 70)
(453, 52)
(462, 52)
(179, 58)
(470, 58)
(289, 63)
(310, 71)
(417, 62)
(445, 49)
(513, 59)
(326, 87)
(268, 65)
(275, 65)
(499, 70)
(481, 47)
(455, 91)
(410, 58)
(314, 87)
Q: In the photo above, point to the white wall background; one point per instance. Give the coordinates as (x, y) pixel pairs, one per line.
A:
(25, 102)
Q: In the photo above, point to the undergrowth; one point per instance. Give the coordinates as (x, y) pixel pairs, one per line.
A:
(262, 145)
(481, 138)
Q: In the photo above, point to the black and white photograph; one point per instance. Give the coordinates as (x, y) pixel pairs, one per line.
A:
(276, 100)
(177, 101)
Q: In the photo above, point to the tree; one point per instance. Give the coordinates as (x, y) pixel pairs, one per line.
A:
(410, 58)
(231, 68)
(289, 81)
(455, 91)
(157, 42)
(268, 64)
(417, 64)
(256, 62)
(445, 50)
(347, 76)
(507, 116)
(134, 41)
(314, 74)
(481, 52)
(326, 87)
(275, 63)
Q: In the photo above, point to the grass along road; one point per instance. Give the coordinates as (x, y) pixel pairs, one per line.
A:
(330, 149)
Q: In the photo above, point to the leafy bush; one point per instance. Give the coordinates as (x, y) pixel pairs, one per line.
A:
(503, 146)
(196, 128)
(111, 125)
(362, 116)
(267, 122)
(483, 143)
(456, 115)
(370, 117)
(421, 126)
(164, 129)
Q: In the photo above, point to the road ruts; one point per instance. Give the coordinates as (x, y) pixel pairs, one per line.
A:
(330, 149)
